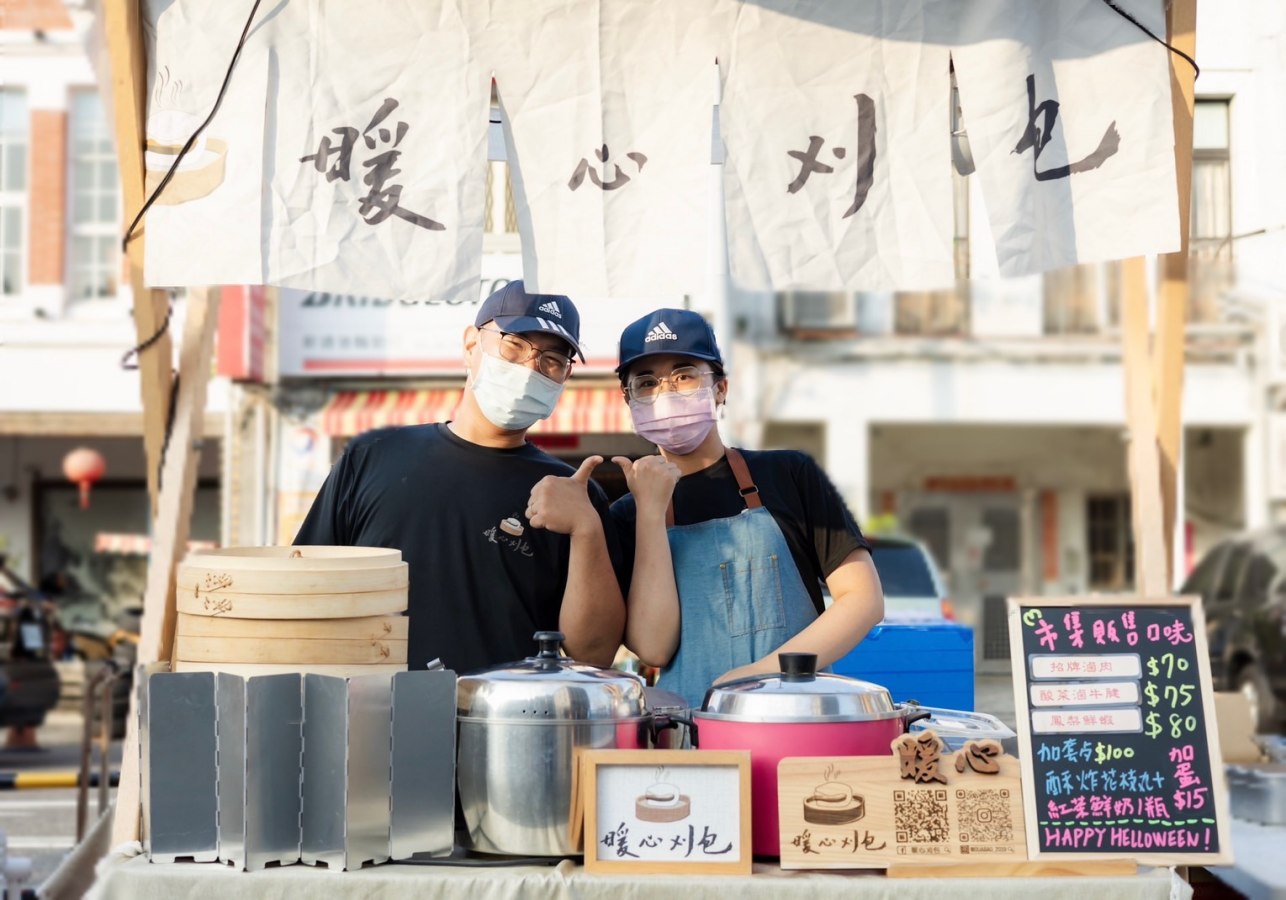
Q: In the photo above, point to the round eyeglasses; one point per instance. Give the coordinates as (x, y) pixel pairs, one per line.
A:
(517, 349)
(683, 380)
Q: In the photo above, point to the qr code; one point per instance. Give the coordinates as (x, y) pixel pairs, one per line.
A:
(984, 816)
(920, 817)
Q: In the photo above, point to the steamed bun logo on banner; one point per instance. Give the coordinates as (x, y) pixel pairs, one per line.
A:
(356, 163)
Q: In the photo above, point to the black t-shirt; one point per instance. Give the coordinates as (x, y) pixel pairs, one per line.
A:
(477, 591)
(808, 509)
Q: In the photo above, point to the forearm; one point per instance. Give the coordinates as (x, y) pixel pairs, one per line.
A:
(592, 618)
(835, 632)
(652, 619)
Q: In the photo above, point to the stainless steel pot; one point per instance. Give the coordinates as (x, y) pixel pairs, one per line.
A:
(519, 728)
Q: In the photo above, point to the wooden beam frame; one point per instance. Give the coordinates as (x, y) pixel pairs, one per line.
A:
(170, 528)
(127, 57)
(1172, 313)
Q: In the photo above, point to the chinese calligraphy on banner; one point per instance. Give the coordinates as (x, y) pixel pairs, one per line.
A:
(349, 153)
(356, 145)
(1068, 117)
(838, 173)
(609, 107)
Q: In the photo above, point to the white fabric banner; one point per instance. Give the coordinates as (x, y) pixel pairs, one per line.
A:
(349, 154)
(355, 141)
(609, 107)
(835, 120)
(1067, 109)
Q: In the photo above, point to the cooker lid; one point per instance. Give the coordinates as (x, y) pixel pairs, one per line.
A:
(549, 688)
(798, 694)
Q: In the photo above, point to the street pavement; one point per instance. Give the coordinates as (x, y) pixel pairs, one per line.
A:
(40, 823)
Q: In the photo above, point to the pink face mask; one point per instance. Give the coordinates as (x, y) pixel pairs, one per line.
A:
(675, 422)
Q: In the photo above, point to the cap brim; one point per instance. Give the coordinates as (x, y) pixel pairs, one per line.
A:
(663, 351)
(532, 323)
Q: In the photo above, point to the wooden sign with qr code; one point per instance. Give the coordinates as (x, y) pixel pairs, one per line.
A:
(917, 806)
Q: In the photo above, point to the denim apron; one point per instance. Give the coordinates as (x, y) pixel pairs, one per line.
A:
(740, 594)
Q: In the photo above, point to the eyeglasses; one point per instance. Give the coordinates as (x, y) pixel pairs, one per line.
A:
(517, 349)
(683, 380)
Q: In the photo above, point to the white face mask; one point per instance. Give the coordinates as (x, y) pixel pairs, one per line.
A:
(511, 396)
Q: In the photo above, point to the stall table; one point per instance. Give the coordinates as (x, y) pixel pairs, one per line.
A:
(137, 879)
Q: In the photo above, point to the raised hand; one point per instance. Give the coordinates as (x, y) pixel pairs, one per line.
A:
(651, 480)
(561, 504)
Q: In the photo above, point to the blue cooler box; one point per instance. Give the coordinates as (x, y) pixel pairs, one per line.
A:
(929, 662)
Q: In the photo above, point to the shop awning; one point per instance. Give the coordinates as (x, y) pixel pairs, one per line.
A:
(581, 410)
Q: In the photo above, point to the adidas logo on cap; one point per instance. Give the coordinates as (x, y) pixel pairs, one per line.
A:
(552, 308)
(661, 332)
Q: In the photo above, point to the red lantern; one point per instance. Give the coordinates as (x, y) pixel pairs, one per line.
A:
(84, 466)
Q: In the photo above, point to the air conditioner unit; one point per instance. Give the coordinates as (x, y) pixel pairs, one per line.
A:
(818, 311)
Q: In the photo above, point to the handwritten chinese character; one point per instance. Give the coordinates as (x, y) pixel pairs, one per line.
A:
(808, 162)
(1045, 631)
(619, 180)
(1036, 136)
(618, 839)
(383, 199)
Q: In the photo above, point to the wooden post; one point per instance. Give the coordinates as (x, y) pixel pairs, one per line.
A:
(128, 61)
(1143, 456)
(1181, 21)
(171, 528)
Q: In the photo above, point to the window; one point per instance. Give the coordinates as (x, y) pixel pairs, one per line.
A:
(1111, 542)
(94, 189)
(14, 124)
(498, 174)
(1210, 230)
(1072, 300)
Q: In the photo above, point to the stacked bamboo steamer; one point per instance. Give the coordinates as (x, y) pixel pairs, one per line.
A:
(264, 610)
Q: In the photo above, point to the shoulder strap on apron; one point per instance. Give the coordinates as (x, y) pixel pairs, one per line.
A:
(746, 485)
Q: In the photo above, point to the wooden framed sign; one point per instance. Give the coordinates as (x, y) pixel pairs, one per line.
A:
(1119, 747)
(677, 811)
(918, 806)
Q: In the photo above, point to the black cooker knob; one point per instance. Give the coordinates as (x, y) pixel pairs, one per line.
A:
(797, 666)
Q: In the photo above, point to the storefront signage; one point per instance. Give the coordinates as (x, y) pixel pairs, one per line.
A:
(677, 811)
(916, 806)
(337, 336)
(1120, 752)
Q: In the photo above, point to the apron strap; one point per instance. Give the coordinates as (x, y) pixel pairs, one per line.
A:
(745, 484)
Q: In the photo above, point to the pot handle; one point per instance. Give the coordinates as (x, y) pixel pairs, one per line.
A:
(914, 714)
(673, 720)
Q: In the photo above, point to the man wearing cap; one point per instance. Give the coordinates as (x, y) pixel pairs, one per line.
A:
(501, 539)
(729, 548)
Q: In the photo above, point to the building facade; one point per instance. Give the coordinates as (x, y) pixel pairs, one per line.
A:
(66, 323)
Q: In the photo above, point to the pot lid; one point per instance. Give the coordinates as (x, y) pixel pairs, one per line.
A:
(799, 694)
(549, 688)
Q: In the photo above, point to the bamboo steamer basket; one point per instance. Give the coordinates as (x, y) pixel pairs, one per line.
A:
(250, 670)
(292, 582)
(263, 610)
(388, 628)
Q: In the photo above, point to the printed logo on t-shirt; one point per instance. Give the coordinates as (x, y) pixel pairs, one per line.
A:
(660, 332)
(509, 534)
(552, 308)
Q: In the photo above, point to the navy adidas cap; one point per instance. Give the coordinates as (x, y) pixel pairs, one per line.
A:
(679, 331)
(515, 310)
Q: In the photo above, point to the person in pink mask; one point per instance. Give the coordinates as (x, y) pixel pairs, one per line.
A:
(727, 549)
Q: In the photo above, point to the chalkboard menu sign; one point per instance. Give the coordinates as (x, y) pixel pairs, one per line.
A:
(1120, 756)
